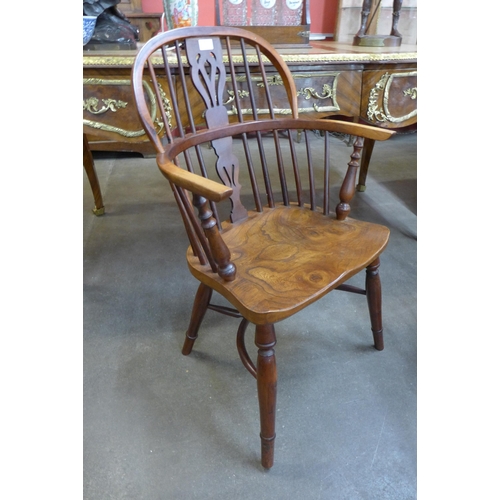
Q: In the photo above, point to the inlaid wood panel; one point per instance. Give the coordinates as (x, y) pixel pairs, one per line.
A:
(109, 111)
(324, 93)
(389, 98)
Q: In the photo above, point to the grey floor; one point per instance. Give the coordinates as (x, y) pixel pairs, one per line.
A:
(159, 425)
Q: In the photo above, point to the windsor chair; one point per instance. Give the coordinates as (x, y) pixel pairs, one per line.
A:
(219, 104)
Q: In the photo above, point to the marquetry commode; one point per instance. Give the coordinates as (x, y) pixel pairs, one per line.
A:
(369, 84)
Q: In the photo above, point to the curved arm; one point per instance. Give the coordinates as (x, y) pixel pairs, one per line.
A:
(203, 190)
(213, 191)
(355, 129)
(235, 129)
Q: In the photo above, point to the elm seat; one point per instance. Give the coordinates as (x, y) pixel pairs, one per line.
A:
(288, 257)
(220, 106)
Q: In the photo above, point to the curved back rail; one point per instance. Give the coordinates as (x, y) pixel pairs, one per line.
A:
(224, 65)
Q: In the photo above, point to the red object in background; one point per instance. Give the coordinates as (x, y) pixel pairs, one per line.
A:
(290, 12)
(323, 13)
(152, 6)
(234, 12)
(264, 13)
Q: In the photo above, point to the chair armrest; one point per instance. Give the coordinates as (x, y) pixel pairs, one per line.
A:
(204, 190)
(211, 190)
(355, 129)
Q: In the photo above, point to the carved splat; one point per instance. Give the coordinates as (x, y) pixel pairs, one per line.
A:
(208, 74)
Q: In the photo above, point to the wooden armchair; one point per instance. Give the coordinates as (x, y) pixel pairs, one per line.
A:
(220, 106)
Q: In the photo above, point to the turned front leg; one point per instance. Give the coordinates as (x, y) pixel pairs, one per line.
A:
(374, 296)
(265, 340)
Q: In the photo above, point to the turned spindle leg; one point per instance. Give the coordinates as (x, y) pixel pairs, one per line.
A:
(265, 340)
(200, 306)
(374, 297)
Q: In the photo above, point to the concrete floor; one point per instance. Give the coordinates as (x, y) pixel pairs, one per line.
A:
(159, 425)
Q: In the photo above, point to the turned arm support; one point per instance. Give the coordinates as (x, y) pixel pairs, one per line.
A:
(204, 190)
(211, 190)
(220, 252)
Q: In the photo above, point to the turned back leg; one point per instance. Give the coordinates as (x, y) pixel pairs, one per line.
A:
(201, 302)
(374, 297)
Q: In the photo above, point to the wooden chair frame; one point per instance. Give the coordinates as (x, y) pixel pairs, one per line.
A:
(293, 247)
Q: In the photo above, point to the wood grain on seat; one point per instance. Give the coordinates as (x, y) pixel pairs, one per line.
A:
(288, 257)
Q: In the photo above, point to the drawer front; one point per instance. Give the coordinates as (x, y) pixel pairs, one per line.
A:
(389, 98)
(319, 93)
(328, 93)
(109, 111)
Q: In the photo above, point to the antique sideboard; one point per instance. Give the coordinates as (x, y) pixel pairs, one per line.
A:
(373, 85)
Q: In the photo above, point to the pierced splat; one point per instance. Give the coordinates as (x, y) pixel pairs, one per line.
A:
(208, 74)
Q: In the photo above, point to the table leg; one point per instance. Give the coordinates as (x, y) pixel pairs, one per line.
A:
(88, 163)
(365, 162)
